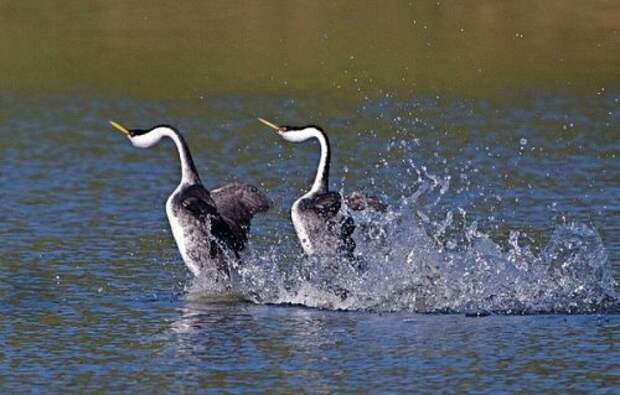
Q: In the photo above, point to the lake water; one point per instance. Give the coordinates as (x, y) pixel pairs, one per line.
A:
(491, 130)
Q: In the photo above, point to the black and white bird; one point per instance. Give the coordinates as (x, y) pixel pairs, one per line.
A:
(209, 227)
(322, 225)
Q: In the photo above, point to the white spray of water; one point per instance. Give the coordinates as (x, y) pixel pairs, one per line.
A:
(406, 268)
(412, 263)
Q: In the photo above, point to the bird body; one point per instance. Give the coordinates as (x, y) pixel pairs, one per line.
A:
(176, 226)
(322, 226)
(302, 230)
(209, 228)
(200, 232)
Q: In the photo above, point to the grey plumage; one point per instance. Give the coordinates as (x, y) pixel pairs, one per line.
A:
(239, 202)
(216, 224)
(359, 201)
(210, 228)
(322, 223)
(328, 227)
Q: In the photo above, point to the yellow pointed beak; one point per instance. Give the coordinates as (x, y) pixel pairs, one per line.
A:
(271, 125)
(120, 127)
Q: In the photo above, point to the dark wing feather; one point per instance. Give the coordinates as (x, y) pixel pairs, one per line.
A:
(324, 204)
(239, 202)
(327, 206)
(198, 201)
(359, 201)
(346, 234)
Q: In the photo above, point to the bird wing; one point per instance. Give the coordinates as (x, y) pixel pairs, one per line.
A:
(327, 206)
(359, 201)
(201, 205)
(239, 202)
(324, 204)
(197, 201)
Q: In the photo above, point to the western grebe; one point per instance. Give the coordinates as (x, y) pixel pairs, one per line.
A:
(209, 227)
(321, 224)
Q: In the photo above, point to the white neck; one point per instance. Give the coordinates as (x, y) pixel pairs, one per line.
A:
(189, 175)
(322, 177)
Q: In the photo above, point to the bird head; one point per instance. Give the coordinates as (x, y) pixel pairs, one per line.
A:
(144, 138)
(295, 134)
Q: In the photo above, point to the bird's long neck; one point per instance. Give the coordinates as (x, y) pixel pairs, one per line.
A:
(189, 174)
(321, 180)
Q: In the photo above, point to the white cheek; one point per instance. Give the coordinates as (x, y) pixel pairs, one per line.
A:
(296, 136)
(144, 141)
(138, 143)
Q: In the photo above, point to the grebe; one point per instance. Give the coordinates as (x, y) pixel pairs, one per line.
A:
(209, 227)
(321, 224)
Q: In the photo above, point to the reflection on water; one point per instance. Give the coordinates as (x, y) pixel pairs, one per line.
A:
(322, 352)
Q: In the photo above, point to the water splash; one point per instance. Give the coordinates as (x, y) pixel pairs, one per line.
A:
(439, 248)
(414, 264)
(408, 270)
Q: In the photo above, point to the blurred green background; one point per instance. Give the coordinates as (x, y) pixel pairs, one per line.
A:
(347, 49)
